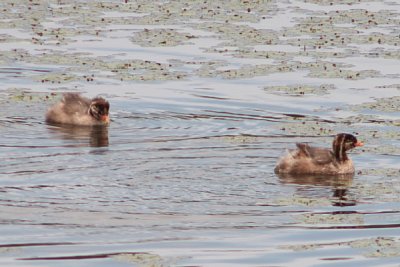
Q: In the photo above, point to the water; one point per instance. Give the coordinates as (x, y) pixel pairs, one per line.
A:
(201, 111)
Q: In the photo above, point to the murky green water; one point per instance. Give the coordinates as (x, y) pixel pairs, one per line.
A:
(205, 97)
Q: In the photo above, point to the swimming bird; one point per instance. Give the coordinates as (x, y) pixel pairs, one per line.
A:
(75, 109)
(314, 160)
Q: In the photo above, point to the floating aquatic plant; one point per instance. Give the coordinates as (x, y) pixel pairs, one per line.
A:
(329, 218)
(161, 37)
(389, 104)
(307, 128)
(302, 201)
(143, 259)
(300, 90)
(373, 247)
(378, 247)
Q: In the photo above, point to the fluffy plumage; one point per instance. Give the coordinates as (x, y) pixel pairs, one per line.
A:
(313, 160)
(75, 109)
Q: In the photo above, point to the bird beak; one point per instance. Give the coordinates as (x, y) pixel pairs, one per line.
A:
(359, 144)
(105, 119)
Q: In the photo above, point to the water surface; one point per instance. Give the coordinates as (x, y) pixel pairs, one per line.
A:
(205, 97)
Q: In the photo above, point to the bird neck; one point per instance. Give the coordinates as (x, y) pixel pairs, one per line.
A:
(339, 150)
(341, 155)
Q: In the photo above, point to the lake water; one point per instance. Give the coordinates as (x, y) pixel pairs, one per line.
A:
(205, 97)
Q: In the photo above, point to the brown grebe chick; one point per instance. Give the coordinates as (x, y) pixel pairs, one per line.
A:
(313, 160)
(75, 109)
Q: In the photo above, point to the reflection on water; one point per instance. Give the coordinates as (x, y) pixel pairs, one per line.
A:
(344, 180)
(94, 136)
(340, 185)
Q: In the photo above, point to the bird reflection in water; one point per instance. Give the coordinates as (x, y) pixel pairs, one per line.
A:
(338, 183)
(94, 136)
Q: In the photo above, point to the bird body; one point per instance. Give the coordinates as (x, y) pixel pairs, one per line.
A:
(314, 160)
(74, 109)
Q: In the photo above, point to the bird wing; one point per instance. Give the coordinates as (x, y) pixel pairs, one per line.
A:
(316, 154)
(74, 103)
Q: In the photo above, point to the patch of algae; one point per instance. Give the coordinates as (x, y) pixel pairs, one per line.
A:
(57, 77)
(325, 34)
(32, 15)
(318, 218)
(361, 118)
(388, 191)
(283, 55)
(144, 259)
(239, 35)
(302, 201)
(253, 53)
(227, 11)
(339, 26)
(311, 34)
(240, 139)
(359, 17)
(316, 35)
(141, 70)
(301, 247)
(170, 12)
(207, 68)
(331, 70)
(391, 172)
(24, 95)
(326, 30)
(300, 90)
(307, 128)
(335, 2)
(376, 247)
(319, 69)
(161, 37)
(19, 105)
(250, 71)
(389, 104)
(94, 13)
